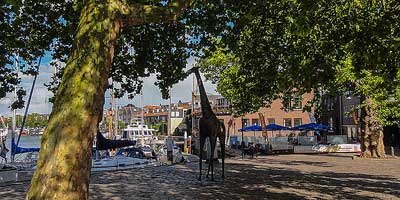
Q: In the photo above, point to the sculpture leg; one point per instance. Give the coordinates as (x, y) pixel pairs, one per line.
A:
(213, 141)
(208, 158)
(202, 139)
(222, 142)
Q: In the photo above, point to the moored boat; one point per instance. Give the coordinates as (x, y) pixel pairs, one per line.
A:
(139, 132)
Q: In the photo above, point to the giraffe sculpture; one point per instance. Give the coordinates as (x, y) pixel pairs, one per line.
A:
(210, 127)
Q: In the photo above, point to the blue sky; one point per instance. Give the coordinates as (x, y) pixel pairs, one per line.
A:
(151, 93)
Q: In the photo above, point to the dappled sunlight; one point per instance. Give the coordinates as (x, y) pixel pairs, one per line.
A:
(267, 177)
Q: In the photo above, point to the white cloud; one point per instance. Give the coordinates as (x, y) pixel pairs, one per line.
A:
(40, 96)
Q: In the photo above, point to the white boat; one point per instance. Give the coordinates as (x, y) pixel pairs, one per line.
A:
(125, 158)
(139, 132)
(118, 162)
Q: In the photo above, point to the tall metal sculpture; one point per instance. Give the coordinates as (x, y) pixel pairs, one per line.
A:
(210, 127)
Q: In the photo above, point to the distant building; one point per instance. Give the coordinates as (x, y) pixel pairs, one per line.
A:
(338, 112)
(154, 114)
(275, 114)
(129, 114)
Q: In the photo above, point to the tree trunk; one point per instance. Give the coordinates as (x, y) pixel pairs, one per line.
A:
(63, 169)
(371, 131)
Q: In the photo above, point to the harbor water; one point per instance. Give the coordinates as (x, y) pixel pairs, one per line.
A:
(25, 141)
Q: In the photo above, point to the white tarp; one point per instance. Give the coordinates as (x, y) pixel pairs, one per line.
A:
(337, 139)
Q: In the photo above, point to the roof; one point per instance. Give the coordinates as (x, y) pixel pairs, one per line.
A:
(152, 107)
(155, 114)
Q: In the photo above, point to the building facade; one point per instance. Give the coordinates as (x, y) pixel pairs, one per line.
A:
(274, 114)
(129, 114)
(156, 114)
(339, 112)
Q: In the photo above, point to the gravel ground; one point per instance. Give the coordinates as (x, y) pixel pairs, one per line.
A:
(333, 176)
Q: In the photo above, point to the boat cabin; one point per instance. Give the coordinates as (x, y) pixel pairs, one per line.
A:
(138, 131)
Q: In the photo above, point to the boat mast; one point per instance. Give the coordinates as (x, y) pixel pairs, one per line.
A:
(141, 105)
(14, 116)
(169, 139)
(193, 86)
(169, 114)
(115, 115)
(110, 114)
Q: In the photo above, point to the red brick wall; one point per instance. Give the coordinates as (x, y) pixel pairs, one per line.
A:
(275, 111)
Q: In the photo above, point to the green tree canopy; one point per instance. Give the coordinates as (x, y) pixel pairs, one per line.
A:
(286, 48)
(283, 49)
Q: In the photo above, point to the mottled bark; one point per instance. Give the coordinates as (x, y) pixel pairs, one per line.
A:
(64, 164)
(371, 131)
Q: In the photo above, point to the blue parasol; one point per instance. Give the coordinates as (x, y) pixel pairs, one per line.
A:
(276, 127)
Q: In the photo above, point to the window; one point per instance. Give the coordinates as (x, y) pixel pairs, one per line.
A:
(245, 122)
(271, 120)
(287, 122)
(255, 122)
(172, 114)
(177, 114)
(297, 121)
(287, 105)
(297, 103)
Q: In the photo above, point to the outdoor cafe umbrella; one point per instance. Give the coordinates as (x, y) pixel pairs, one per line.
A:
(312, 126)
(253, 128)
(276, 127)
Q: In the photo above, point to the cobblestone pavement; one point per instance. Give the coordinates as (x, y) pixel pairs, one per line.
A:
(333, 176)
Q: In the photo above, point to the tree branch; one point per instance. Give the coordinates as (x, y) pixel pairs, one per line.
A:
(137, 14)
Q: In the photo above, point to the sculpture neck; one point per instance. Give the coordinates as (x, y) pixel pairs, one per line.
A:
(205, 104)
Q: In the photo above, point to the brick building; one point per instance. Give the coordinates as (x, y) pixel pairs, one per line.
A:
(156, 114)
(129, 113)
(275, 114)
(338, 112)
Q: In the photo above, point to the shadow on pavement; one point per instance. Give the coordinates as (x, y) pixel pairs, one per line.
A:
(243, 181)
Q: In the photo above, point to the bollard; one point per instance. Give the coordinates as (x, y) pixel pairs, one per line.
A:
(190, 145)
(185, 145)
(392, 151)
(170, 147)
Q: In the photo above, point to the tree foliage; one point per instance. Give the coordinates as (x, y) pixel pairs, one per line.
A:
(121, 40)
(34, 120)
(27, 32)
(32, 28)
(286, 48)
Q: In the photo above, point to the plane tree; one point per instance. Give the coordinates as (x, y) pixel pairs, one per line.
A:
(91, 42)
(282, 49)
(259, 51)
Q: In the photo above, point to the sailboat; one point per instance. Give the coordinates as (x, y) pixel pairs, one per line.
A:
(127, 156)
(3, 148)
(15, 149)
(9, 171)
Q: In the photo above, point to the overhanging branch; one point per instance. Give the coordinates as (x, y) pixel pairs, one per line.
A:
(137, 14)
